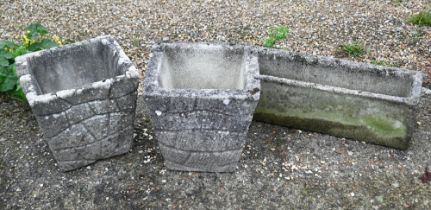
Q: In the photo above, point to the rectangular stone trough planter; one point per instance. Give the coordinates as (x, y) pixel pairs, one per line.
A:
(201, 99)
(84, 97)
(359, 101)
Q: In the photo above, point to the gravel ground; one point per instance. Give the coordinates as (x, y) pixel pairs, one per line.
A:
(316, 27)
(280, 167)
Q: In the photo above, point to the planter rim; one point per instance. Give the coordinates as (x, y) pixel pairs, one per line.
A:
(33, 97)
(252, 83)
(412, 99)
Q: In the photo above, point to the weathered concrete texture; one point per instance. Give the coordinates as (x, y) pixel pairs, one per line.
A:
(84, 98)
(201, 99)
(342, 98)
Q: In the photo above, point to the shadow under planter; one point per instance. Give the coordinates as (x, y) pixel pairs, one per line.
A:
(201, 99)
(360, 101)
(84, 97)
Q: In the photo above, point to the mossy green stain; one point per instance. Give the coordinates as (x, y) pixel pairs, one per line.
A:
(373, 129)
(385, 127)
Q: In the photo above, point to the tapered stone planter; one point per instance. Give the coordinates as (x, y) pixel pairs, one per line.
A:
(346, 99)
(201, 99)
(84, 97)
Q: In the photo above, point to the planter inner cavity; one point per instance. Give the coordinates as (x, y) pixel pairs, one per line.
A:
(206, 67)
(201, 99)
(84, 97)
(75, 68)
(339, 97)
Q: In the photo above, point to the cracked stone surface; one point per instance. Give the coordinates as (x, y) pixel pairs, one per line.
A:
(201, 99)
(89, 114)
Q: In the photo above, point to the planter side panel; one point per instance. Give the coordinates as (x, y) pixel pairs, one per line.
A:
(200, 134)
(90, 130)
(343, 115)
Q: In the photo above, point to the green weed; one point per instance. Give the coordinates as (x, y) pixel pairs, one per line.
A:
(276, 34)
(421, 19)
(353, 49)
(35, 38)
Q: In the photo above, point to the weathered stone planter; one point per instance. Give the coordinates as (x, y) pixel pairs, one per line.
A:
(201, 99)
(84, 97)
(342, 98)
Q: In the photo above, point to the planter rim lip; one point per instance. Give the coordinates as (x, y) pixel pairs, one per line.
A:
(182, 44)
(26, 78)
(251, 89)
(412, 99)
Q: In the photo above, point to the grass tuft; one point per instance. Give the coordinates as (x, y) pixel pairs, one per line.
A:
(276, 34)
(353, 49)
(421, 19)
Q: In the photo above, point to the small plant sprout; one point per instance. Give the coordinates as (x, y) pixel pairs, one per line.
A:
(275, 34)
(383, 63)
(34, 38)
(421, 19)
(378, 62)
(354, 49)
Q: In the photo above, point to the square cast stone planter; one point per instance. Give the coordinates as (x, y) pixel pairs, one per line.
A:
(201, 99)
(346, 99)
(84, 97)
